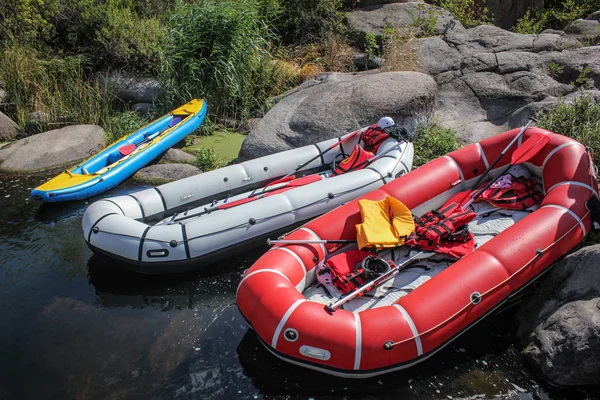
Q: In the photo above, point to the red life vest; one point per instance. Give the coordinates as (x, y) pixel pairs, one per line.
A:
(373, 137)
(358, 159)
(346, 273)
(520, 195)
(444, 231)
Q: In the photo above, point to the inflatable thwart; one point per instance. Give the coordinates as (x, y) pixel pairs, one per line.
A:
(188, 224)
(420, 298)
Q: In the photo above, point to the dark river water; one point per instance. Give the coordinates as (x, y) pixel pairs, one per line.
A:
(76, 326)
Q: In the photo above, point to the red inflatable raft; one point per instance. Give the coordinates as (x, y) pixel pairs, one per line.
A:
(377, 338)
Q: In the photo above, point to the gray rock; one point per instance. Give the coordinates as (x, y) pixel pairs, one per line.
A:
(573, 63)
(8, 128)
(341, 103)
(519, 117)
(363, 63)
(487, 76)
(559, 326)
(163, 173)
(585, 30)
(488, 38)
(513, 61)
(439, 57)
(143, 109)
(131, 88)
(52, 149)
(177, 156)
(404, 15)
(507, 12)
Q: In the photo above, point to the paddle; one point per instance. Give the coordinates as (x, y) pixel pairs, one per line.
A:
(525, 152)
(129, 148)
(321, 154)
(487, 171)
(378, 281)
(308, 241)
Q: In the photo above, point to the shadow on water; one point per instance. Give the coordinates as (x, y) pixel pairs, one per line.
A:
(216, 285)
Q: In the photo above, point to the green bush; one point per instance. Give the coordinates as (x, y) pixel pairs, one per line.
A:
(207, 160)
(218, 50)
(579, 120)
(466, 11)
(433, 141)
(28, 22)
(555, 15)
(310, 21)
(127, 40)
(123, 123)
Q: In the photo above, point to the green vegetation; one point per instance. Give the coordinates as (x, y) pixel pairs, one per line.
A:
(55, 86)
(371, 46)
(433, 141)
(466, 11)
(555, 15)
(583, 77)
(426, 20)
(555, 70)
(207, 160)
(220, 51)
(120, 124)
(226, 143)
(579, 120)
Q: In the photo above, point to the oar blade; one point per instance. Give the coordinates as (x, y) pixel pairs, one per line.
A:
(529, 148)
(127, 149)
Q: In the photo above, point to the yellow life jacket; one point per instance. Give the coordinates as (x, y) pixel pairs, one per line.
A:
(385, 223)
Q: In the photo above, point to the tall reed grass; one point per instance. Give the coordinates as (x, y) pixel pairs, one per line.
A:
(219, 50)
(57, 87)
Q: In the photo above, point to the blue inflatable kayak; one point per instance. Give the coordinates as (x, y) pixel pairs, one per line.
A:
(120, 160)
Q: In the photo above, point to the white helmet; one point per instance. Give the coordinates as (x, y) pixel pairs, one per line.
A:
(519, 171)
(385, 122)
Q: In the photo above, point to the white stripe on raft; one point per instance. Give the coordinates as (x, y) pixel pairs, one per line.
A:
(555, 150)
(483, 157)
(571, 213)
(284, 319)
(316, 237)
(575, 183)
(358, 352)
(258, 271)
(305, 274)
(460, 173)
(413, 328)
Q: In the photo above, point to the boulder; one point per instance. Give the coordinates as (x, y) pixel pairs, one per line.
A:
(362, 62)
(52, 149)
(8, 128)
(373, 19)
(559, 326)
(177, 156)
(336, 104)
(163, 173)
(487, 76)
(586, 30)
(131, 88)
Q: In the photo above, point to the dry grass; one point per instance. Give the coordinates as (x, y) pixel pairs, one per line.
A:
(401, 50)
(300, 63)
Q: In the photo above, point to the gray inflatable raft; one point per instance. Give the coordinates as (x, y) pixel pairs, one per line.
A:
(186, 225)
